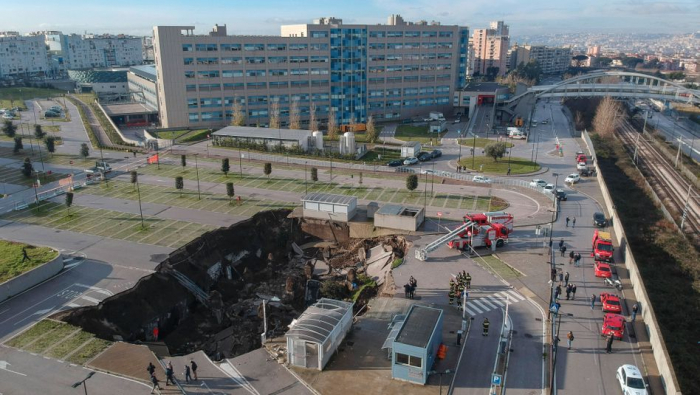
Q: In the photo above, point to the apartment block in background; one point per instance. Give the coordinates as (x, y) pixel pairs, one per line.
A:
(490, 48)
(551, 60)
(22, 56)
(393, 71)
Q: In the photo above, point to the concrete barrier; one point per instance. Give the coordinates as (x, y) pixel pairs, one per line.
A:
(658, 345)
(31, 278)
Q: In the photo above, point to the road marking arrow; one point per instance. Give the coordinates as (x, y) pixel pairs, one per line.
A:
(5, 364)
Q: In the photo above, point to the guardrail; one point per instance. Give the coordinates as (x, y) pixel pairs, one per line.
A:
(658, 345)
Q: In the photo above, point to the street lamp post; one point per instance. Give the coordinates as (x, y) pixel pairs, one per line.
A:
(240, 162)
(473, 152)
(196, 168)
(306, 186)
(459, 134)
(82, 382)
(448, 371)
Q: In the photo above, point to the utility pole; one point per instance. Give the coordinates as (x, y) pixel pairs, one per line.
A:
(196, 168)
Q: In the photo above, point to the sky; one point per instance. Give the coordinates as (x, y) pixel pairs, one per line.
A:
(263, 17)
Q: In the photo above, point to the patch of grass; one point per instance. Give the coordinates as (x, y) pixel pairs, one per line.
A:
(396, 263)
(490, 166)
(26, 337)
(11, 264)
(69, 344)
(480, 142)
(114, 137)
(372, 156)
(49, 339)
(92, 135)
(15, 97)
(89, 351)
(498, 267)
(418, 133)
(194, 135)
(169, 134)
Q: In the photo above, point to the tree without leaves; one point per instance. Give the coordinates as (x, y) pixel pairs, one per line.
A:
(313, 122)
(39, 132)
(371, 134)
(607, 117)
(69, 201)
(294, 116)
(134, 177)
(275, 115)
(229, 191)
(18, 145)
(412, 182)
(267, 169)
(9, 128)
(332, 125)
(179, 184)
(27, 168)
(314, 174)
(238, 114)
(84, 150)
(50, 144)
(183, 161)
(495, 150)
(225, 166)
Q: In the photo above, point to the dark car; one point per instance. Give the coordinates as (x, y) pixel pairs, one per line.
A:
(424, 156)
(586, 172)
(395, 163)
(436, 153)
(599, 220)
(560, 194)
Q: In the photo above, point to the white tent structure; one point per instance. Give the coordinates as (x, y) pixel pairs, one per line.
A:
(317, 333)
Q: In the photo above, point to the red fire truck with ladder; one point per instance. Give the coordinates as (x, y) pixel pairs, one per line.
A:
(492, 217)
(469, 233)
(602, 246)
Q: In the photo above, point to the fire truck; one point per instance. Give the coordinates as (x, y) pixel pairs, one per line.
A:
(602, 246)
(492, 217)
(480, 236)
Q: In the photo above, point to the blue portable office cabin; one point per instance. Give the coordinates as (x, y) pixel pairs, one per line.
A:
(416, 344)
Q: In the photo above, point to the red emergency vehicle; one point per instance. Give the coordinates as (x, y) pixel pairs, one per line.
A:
(602, 246)
(492, 217)
(481, 236)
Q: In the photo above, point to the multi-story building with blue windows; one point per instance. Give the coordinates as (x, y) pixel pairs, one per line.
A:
(391, 72)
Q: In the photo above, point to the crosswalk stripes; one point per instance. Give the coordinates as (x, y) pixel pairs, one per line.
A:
(481, 304)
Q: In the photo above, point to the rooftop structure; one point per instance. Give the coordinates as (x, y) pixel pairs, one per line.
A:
(328, 206)
(416, 343)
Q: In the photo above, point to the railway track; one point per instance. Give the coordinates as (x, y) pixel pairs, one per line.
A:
(673, 189)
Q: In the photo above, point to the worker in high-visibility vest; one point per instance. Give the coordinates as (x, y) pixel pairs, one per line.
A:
(451, 294)
(486, 327)
(468, 280)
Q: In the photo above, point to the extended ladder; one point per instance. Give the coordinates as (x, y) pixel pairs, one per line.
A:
(422, 254)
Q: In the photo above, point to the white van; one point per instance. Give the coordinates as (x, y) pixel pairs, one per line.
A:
(516, 133)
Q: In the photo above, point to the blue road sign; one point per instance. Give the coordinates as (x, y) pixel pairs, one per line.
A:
(496, 379)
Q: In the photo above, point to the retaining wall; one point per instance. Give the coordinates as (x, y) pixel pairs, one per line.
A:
(31, 278)
(658, 345)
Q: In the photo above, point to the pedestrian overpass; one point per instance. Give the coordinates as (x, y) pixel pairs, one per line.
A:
(616, 84)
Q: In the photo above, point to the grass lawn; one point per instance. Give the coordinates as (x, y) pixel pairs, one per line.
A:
(11, 264)
(13, 175)
(498, 267)
(480, 142)
(517, 165)
(417, 133)
(387, 155)
(33, 333)
(169, 134)
(194, 135)
(14, 97)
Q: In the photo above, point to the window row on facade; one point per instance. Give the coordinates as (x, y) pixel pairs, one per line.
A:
(255, 60)
(410, 67)
(411, 45)
(428, 101)
(213, 47)
(252, 100)
(409, 33)
(253, 73)
(410, 79)
(412, 91)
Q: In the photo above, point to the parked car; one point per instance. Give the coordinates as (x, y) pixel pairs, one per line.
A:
(560, 194)
(586, 172)
(602, 269)
(538, 183)
(458, 120)
(436, 153)
(410, 161)
(51, 114)
(613, 324)
(572, 178)
(611, 303)
(544, 122)
(599, 220)
(56, 108)
(581, 166)
(395, 163)
(549, 188)
(631, 381)
(482, 179)
(429, 172)
(8, 115)
(424, 156)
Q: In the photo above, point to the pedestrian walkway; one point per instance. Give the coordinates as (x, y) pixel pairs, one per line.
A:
(480, 304)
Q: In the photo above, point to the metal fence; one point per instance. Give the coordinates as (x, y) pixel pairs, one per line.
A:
(24, 198)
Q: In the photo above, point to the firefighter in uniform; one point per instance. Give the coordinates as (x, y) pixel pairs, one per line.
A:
(486, 327)
(451, 295)
(460, 292)
(468, 280)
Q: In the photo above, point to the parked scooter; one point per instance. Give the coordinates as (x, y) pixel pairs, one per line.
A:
(613, 282)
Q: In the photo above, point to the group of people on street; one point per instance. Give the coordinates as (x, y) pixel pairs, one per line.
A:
(574, 257)
(573, 222)
(457, 288)
(190, 370)
(410, 288)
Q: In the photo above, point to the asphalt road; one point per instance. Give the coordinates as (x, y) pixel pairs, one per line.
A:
(22, 373)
